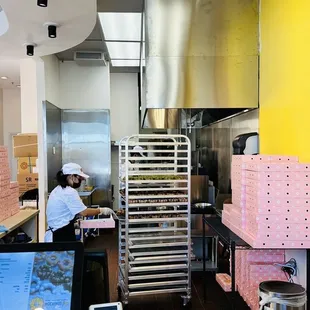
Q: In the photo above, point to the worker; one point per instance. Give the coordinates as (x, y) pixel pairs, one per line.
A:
(65, 204)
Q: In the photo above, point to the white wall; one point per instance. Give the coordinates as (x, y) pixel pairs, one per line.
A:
(124, 116)
(11, 122)
(32, 80)
(52, 79)
(124, 105)
(84, 87)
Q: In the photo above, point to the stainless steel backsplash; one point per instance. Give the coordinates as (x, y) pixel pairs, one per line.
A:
(214, 144)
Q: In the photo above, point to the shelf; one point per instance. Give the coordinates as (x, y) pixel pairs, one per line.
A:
(224, 233)
(18, 220)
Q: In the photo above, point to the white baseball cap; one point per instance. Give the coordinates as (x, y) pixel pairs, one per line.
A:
(139, 149)
(72, 168)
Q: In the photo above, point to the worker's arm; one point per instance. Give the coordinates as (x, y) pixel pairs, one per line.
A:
(98, 211)
(90, 212)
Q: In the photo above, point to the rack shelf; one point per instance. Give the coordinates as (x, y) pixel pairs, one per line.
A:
(154, 232)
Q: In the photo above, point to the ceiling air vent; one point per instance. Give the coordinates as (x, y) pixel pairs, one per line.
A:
(90, 58)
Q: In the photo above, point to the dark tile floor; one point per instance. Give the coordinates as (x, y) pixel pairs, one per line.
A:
(216, 298)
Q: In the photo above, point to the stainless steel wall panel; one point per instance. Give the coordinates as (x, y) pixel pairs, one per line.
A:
(201, 53)
(216, 147)
(54, 143)
(86, 141)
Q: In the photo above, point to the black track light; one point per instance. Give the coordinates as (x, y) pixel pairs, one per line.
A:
(30, 50)
(52, 31)
(42, 3)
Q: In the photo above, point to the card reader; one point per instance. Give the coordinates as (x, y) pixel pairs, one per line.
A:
(109, 306)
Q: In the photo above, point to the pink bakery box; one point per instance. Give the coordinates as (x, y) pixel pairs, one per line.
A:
(278, 201)
(264, 158)
(296, 193)
(4, 182)
(3, 151)
(266, 258)
(265, 185)
(14, 192)
(239, 188)
(296, 176)
(14, 185)
(280, 235)
(238, 209)
(264, 167)
(224, 280)
(258, 192)
(261, 228)
(266, 176)
(273, 244)
(238, 197)
(226, 214)
(5, 170)
(4, 161)
(98, 223)
(5, 177)
(266, 210)
(4, 191)
(282, 219)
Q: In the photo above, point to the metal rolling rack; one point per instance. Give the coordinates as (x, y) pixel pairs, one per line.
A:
(154, 236)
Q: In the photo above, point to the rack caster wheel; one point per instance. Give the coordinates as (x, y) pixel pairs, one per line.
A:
(186, 303)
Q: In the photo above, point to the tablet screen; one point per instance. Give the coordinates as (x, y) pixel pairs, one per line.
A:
(36, 280)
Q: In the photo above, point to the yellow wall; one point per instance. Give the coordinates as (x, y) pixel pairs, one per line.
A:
(285, 78)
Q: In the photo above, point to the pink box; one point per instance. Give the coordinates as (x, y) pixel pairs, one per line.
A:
(5, 191)
(287, 236)
(261, 192)
(224, 280)
(264, 167)
(296, 193)
(263, 158)
(4, 161)
(4, 170)
(282, 219)
(14, 185)
(5, 177)
(101, 223)
(264, 176)
(266, 185)
(4, 182)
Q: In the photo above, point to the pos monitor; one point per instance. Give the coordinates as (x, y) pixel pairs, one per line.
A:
(41, 276)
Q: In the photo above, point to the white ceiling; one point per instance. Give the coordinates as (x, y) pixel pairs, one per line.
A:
(10, 69)
(78, 22)
(96, 41)
(76, 18)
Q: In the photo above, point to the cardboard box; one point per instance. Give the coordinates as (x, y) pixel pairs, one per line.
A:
(25, 145)
(27, 182)
(26, 164)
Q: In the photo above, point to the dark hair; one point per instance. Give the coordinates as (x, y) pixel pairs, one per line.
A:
(62, 179)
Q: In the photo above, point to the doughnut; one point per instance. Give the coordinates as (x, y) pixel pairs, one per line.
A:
(52, 259)
(65, 264)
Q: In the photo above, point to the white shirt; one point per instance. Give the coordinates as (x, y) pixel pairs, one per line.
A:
(62, 206)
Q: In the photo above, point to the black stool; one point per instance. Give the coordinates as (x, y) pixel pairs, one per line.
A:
(96, 288)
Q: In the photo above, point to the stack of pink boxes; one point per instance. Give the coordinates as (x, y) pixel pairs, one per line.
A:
(9, 191)
(254, 267)
(270, 201)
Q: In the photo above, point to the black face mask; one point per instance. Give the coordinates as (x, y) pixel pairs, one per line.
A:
(77, 184)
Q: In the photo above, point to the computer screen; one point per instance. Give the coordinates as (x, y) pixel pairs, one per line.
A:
(36, 280)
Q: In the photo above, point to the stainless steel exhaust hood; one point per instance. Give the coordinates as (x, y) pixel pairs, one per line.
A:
(200, 54)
